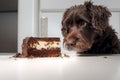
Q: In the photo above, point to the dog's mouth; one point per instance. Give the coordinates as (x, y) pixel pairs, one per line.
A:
(78, 46)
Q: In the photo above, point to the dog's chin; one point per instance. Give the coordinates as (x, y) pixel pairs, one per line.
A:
(81, 50)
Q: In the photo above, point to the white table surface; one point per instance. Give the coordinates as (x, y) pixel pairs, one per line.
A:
(105, 67)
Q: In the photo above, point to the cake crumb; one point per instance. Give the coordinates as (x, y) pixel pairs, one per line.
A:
(105, 56)
(65, 55)
(17, 55)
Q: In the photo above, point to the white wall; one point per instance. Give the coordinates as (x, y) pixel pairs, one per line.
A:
(27, 20)
(62, 4)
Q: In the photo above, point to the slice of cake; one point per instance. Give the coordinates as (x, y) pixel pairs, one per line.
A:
(41, 47)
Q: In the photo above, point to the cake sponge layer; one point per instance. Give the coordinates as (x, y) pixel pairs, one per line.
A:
(41, 47)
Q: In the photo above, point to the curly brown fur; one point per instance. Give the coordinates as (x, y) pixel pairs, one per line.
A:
(86, 29)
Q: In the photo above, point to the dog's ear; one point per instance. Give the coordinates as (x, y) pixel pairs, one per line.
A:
(100, 17)
(64, 28)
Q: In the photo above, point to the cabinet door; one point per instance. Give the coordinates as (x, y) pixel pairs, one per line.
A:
(51, 12)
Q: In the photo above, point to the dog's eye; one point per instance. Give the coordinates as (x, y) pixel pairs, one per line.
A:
(80, 22)
(89, 27)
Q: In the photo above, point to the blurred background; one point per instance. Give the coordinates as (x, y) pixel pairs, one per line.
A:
(40, 18)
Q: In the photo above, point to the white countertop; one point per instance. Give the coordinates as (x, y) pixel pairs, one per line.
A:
(67, 68)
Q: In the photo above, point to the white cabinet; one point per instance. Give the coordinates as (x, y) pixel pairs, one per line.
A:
(53, 11)
(115, 22)
(62, 4)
